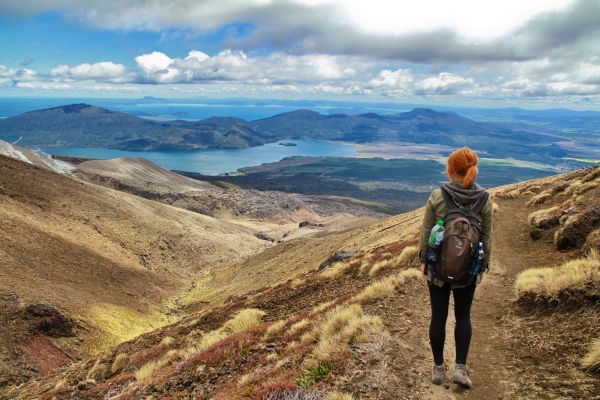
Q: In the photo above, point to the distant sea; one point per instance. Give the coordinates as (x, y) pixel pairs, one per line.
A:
(219, 161)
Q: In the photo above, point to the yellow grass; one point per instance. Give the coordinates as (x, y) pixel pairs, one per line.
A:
(537, 218)
(550, 282)
(338, 396)
(592, 175)
(167, 341)
(297, 326)
(99, 371)
(273, 329)
(378, 290)
(539, 199)
(403, 259)
(146, 371)
(586, 187)
(322, 307)
(334, 271)
(211, 338)
(573, 187)
(591, 361)
(119, 363)
(244, 319)
(342, 326)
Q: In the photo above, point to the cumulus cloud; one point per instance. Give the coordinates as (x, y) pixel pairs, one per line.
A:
(101, 71)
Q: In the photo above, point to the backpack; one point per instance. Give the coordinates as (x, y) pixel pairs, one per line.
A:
(463, 230)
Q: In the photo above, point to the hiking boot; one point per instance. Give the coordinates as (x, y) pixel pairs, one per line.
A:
(461, 376)
(438, 374)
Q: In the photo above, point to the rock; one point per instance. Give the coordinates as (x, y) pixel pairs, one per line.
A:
(263, 236)
(336, 257)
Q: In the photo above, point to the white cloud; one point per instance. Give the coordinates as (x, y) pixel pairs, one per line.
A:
(101, 71)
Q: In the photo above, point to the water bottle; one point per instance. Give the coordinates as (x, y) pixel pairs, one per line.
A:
(478, 260)
(437, 234)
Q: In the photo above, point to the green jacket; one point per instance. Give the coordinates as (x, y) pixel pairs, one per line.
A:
(435, 210)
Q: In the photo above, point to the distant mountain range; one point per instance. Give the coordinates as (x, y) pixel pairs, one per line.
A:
(83, 125)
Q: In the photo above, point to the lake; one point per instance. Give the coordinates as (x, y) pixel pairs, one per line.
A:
(219, 161)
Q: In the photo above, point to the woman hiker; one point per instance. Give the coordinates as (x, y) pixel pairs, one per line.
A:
(463, 192)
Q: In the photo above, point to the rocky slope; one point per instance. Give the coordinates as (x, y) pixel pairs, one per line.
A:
(146, 179)
(292, 322)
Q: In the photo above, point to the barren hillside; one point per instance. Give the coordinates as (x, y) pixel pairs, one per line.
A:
(102, 260)
(358, 327)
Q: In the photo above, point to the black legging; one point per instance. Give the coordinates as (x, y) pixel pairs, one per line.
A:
(440, 298)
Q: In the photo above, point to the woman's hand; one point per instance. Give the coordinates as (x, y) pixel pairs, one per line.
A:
(423, 268)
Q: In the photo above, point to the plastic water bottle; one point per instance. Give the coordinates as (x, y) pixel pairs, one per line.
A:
(478, 260)
(437, 234)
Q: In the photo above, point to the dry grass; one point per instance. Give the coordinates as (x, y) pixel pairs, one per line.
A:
(385, 287)
(533, 189)
(407, 255)
(119, 363)
(273, 330)
(211, 338)
(167, 341)
(591, 361)
(336, 270)
(539, 199)
(551, 282)
(146, 371)
(573, 187)
(297, 326)
(98, 372)
(343, 326)
(586, 187)
(243, 320)
(592, 175)
(322, 307)
(338, 396)
(544, 218)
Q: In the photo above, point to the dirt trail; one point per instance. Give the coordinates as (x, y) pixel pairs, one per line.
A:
(491, 357)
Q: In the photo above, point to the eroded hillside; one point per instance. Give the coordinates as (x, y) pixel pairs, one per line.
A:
(358, 327)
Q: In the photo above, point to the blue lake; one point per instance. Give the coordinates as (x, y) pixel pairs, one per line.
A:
(218, 161)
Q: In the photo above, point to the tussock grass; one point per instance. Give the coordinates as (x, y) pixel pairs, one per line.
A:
(586, 187)
(119, 363)
(551, 282)
(244, 319)
(342, 326)
(533, 189)
(297, 326)
(98, 372)
(573, 187)
(544, 218)
(385, 287)
(495, 206)
(211, 338)
(336, 270)
(146, 371)
(167, 341)
(338, 396)
(322, 307)
(273, 330)
(407, 255)
(539, 199)
(591, 361)
(592, 175)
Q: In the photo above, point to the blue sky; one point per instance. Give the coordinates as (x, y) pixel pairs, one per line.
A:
(540, 53)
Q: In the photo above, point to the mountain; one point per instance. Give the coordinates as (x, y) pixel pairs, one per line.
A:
(83, 125)
(84, 267)
(346, 316)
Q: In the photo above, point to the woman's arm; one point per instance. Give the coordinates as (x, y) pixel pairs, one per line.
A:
(428, 222)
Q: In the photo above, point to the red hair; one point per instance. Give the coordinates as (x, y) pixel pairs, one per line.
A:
(462, 166)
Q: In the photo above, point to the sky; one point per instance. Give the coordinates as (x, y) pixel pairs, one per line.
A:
(535, 53)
